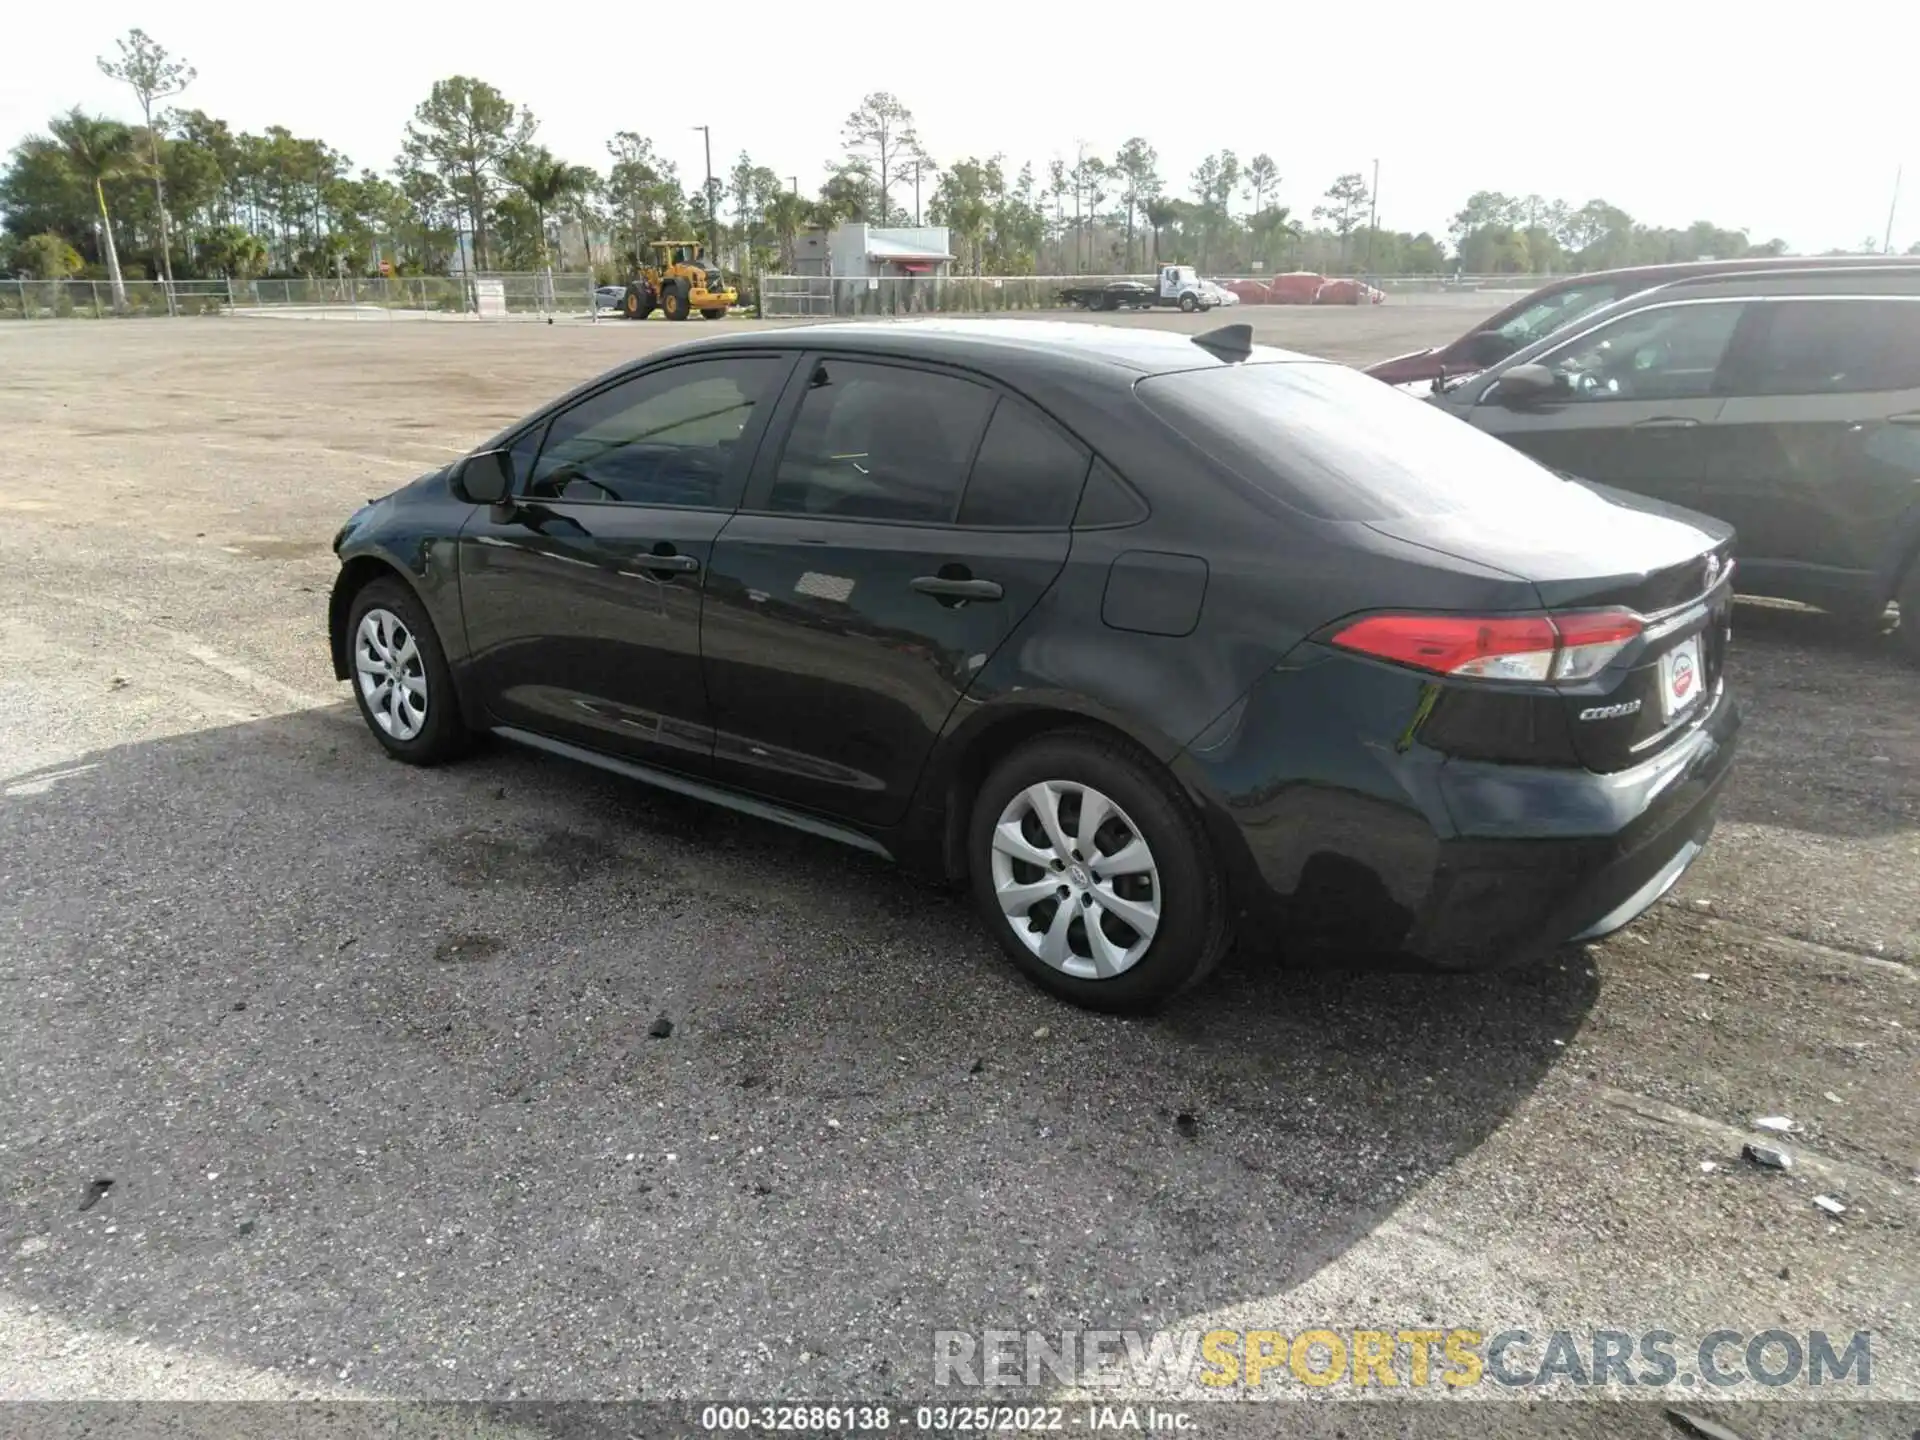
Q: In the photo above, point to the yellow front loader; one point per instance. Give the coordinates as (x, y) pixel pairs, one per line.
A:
(679, 282)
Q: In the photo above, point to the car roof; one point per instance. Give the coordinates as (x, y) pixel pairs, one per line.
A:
(1752, 264)
(1065, 344)
(1894, 278)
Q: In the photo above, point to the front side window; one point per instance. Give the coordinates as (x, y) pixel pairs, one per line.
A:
(1834, 347)
(880, 442)
(1666, 352)
(669, 437)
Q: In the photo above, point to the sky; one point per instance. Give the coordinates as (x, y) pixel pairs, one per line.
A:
(1792, 126)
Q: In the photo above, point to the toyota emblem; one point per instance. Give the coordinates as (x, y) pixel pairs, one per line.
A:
(1713, 570)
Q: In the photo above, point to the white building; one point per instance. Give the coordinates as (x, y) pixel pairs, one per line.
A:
(859, 251)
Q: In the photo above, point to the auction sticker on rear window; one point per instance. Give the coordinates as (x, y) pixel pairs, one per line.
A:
(1681, 680)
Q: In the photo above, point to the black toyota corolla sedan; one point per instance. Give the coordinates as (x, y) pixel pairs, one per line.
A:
(1151, 640)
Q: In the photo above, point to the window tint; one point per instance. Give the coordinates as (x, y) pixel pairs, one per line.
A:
(1027, 472)
(666, 438)
(1834, 347)
(1107, 500)
(1340, 445)
(881, 442)
(1667, 352)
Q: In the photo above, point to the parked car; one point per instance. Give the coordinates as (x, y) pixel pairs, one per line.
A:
(1784, 402)
(1251, 292)
(1558, 304)
(1295, 287)
(609, 297)
(1348, 292)
(1218, 294)
(1150, 639)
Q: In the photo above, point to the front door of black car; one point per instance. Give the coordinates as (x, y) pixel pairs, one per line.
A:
(1635, 402)
(582, 598)
(906, 523)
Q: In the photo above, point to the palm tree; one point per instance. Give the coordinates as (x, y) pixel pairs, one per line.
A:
(787, 213)
(547, 182)
(99, 150)
(1160, 214)
(239, 252)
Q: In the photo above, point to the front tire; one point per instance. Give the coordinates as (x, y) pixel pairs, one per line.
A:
(673, 301)
(1189, 303)
(400, 677)
(717, 313)
(1094, 874)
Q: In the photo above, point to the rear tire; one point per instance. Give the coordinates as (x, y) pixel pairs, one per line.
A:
(1161, 910)
(638, 304)
(400, 678)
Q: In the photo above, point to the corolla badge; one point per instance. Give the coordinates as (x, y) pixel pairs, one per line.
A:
(1611, 712)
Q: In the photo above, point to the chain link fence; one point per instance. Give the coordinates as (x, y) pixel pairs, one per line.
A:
(824, 297)
(490, 296)
(855, 297)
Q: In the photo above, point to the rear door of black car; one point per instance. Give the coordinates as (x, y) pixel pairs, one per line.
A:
(900, 523)
(582, 598)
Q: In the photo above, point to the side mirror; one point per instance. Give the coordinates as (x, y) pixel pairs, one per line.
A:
(1488, 347)
(1524, 384)
(486, 478)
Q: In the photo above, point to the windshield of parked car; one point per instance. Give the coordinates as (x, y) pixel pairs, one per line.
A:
(1338, 444)
(1550, 312)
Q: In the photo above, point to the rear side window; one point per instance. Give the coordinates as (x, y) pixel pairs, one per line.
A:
(1340, 445)
(1833, 347)
(880, 442)
(1027, 473)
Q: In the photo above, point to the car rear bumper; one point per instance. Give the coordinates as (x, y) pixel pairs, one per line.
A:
(1501, 899)
(1468, 865)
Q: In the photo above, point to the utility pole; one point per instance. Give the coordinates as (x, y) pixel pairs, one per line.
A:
(1373, 217)
(1886, 243)
(794, 181)
(916, 192)
(713, 234)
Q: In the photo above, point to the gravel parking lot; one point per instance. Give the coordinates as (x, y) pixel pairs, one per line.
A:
(365, 1052)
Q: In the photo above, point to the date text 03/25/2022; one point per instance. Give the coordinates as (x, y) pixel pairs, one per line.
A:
(944, 1419)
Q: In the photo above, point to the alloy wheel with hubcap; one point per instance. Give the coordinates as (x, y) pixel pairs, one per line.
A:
(391, 674)
(1075, 879)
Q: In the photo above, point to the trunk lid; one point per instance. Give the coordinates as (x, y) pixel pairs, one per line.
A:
(1592, 548)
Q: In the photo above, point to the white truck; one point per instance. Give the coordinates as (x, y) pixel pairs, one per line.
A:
(1179, 286)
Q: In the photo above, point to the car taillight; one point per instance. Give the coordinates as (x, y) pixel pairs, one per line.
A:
(1502, 647)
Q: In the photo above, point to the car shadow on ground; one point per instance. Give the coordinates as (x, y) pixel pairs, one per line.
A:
(372, 1058)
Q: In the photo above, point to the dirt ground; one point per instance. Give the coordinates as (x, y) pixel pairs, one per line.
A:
(364, 1050)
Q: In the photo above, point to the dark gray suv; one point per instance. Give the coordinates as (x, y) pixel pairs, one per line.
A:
(1785, 403)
